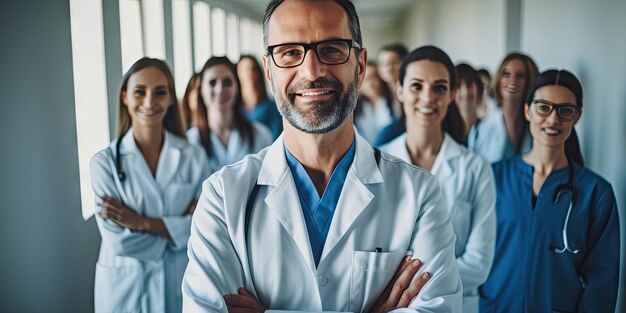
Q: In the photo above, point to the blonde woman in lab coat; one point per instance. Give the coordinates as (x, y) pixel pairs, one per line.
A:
(433, 140)
(146, 184)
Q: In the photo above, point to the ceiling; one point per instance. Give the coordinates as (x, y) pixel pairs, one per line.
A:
(372, 13)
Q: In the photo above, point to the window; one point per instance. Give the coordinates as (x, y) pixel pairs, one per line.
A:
(218, 29)
(90, 96)
(181, 28)
(232, 34)
(153, 28)
(130, 33)
(201, 33)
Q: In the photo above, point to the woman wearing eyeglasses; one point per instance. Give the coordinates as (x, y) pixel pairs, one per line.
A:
(557, 242)
(226, 135)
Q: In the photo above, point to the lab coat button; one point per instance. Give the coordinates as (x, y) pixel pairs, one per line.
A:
(322, 280)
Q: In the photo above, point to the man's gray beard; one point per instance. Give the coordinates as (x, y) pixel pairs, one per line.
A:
(322, 116)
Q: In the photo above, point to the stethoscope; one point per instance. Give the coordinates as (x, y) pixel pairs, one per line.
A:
(118, 162)
(568, 189)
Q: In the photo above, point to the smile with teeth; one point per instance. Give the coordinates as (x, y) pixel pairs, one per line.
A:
(511, 89)
(552, 131)
(150, 112)
(314, 93)
(427, 110)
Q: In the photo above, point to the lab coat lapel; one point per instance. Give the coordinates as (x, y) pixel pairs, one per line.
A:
(283, 198)
(355, 196)
(168, 161)
(443, 167)
(137, 162)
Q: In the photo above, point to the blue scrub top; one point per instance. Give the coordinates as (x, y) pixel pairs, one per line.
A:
(390, 132)
(529, 277)
(318, 211)
(266, 113)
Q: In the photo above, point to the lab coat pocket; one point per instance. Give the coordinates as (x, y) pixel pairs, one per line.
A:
(461, 222)
(118, 288)
(371, 272)
(178, 197)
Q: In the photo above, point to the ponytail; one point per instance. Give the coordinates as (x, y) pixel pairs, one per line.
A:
(572, 149)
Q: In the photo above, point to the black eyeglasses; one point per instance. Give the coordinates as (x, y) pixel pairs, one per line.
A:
(565, 111)
(330, 52)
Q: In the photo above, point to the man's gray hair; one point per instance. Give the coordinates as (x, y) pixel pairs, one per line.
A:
(353, 18)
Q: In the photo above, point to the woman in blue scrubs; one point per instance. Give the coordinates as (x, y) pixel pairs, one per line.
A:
(557, 241)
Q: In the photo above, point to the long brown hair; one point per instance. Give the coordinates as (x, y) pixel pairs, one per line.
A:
(185, 110)
(240, 123)
(531, 71)
(172, 121)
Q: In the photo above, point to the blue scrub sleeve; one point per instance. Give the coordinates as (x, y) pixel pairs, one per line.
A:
(601, 268)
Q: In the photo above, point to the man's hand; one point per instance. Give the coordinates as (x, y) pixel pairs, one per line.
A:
(400, 292)
(243, 302)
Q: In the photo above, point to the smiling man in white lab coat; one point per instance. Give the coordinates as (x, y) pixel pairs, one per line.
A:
(317, 221)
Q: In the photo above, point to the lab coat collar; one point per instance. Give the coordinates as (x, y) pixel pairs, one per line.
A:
(355, 195)
(284, 202)
(168, 159)
(450, 150)
(283, 199)
(364, 165)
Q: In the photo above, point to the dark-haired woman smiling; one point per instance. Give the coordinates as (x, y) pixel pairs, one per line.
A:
(557, 242)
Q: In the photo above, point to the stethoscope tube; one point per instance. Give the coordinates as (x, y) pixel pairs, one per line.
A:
(571, 191)
(118, 161)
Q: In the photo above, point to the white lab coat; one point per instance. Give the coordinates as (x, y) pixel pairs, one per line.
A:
(490, 139)
(468, 188)
(393, 206)
(236, 149)
(137, 271)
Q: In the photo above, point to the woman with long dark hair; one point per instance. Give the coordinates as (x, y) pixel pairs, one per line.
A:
(558, 237)
(257, 105)
(433, 141)
(226, 135)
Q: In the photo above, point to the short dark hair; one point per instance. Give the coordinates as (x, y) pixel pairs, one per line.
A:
(397, 47)
(430, 53)
(465, 73)
(348, 6)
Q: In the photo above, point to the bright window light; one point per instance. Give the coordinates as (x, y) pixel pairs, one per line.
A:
(130, 33)
(90, 96)
(201, 33)
(232, 28)
(153, 28)
(181, 27)
(218, 27)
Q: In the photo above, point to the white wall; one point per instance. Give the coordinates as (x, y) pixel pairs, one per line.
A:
(472, 31)
(374, 38)
(48, 251)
